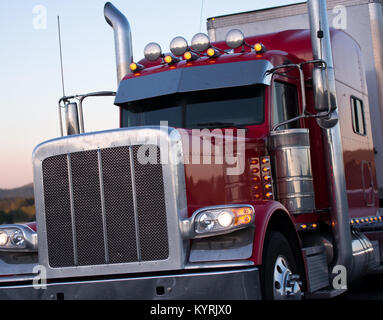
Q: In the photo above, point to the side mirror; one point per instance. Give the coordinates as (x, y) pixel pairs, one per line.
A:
(71, 118)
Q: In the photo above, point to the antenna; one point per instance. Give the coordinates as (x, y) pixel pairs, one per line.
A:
(61, 55)
(200, 19)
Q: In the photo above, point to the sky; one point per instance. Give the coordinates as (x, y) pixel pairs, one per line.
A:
(30, 80)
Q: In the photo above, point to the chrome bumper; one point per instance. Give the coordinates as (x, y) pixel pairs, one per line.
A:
(230, 284)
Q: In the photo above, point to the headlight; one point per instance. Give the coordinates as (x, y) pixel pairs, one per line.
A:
(17, 238)
(3, 238)
(212, 221)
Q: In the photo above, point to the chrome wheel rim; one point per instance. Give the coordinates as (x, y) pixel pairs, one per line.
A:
(286, 285)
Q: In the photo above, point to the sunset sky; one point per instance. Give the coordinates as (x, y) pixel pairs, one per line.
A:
(30, 81)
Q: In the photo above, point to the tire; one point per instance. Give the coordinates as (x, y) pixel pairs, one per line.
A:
(278, 264)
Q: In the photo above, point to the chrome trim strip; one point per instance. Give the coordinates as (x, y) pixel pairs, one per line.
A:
(105, 231)
(70, 181)
(134, 191)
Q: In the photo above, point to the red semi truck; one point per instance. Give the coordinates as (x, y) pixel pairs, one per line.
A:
(243, 169)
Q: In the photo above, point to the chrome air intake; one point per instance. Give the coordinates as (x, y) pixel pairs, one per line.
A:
(102, 210)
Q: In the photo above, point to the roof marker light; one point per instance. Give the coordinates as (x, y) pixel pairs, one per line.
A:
(259, 48)
(190, 56)
(213, 53)
(135, 67)
(171, 60)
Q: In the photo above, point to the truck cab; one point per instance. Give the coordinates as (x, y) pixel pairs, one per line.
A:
(242, 168)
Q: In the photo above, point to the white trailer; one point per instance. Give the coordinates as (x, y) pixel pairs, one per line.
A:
(362, 19)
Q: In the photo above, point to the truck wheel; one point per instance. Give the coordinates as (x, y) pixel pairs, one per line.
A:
(278, 272)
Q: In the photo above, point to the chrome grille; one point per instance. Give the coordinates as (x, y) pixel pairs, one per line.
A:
(104, 207)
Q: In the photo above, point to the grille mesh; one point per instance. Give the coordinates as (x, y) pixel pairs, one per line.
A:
(113, 222)
(87, 208)
(151, 208)
(58, 211)
(119, 205)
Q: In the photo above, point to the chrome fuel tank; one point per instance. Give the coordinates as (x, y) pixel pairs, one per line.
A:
(291, 164)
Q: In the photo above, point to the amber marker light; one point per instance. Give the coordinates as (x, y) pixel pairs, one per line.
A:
(267, 178)
(187, 55)
(265, 160)
(243, 215)
(168, 59)
(303, 226)
(135, 67)
(259, 48)
(211, 52)
(269, 195)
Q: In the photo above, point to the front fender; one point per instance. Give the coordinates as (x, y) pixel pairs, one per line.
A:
(264, 211)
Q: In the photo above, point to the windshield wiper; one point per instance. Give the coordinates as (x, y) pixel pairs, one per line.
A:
(220, 125)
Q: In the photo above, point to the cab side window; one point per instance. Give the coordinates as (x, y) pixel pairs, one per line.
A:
(285, 105)
(357, 111)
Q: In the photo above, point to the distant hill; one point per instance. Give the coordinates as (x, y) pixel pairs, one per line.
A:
(21, 192)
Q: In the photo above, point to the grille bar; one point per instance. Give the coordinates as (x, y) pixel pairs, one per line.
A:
(102, 194)
(134, 191)
(75, 256)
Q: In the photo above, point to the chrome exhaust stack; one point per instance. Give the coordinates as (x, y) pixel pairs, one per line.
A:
(122, 39)
(322, 50)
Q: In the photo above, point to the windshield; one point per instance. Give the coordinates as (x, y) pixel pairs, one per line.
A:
(230, 107)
